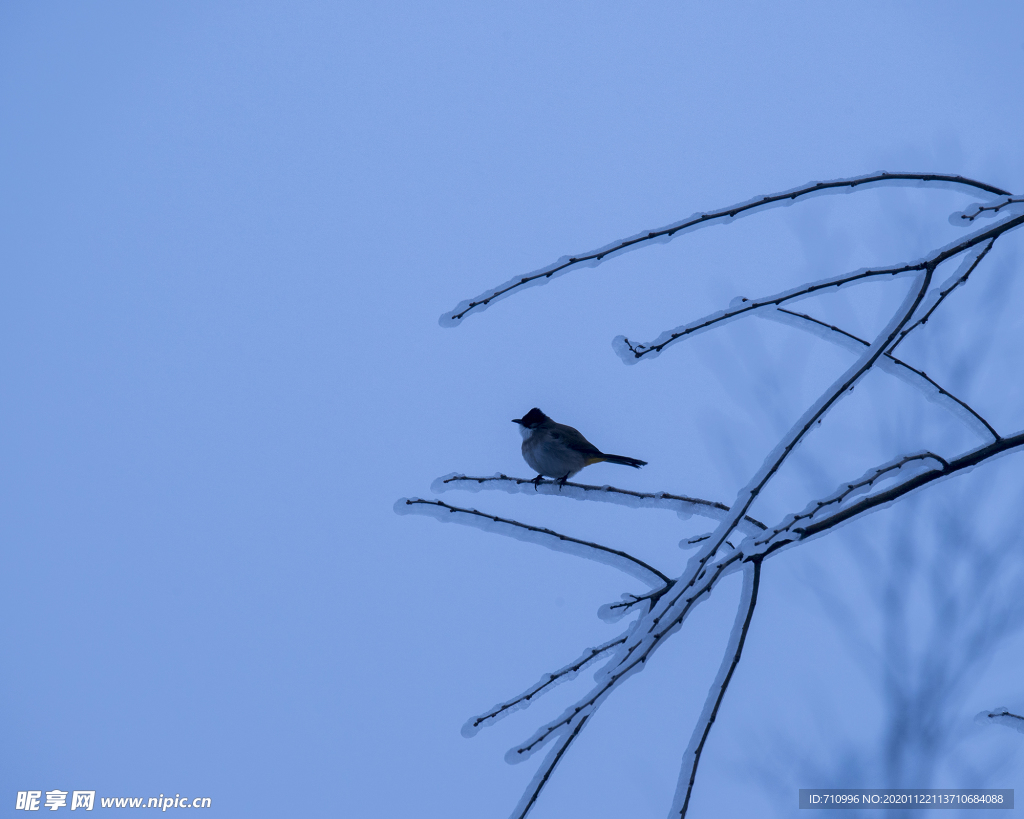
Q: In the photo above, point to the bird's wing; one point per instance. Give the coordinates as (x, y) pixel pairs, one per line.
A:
(572, 439)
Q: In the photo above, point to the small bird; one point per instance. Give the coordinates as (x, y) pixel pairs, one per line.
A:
(559, 451)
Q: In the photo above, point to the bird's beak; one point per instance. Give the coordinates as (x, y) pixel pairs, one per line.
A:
(517, 420)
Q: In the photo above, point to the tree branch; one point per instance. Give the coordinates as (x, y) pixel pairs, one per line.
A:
(717, 693)
(453, 317)
(943, 293)
(681, 504)
(1002, 716)
(565, 673)
(621, 560)
(625, 348)
(631, 661)
(542, 776)
(915, 376)
(750, 306)
(976, 211)
(791, 534)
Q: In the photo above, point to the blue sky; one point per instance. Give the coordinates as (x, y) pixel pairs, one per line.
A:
(228, 232)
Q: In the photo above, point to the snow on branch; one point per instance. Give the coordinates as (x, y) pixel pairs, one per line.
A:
(682, 505)
(733, 652)
(1001, 716)
(534, 534)
(989, 211)
(563, 674)
(890, 364)
(629, 661)
(789, 532)
(630, 353)
(454, 317)
(665, 608)
(958, 278)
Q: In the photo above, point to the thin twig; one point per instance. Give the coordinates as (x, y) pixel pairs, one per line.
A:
(631, 662)
(970, 216)
(542, 776)
(1003, 717)
(942, 295)
(899, 363)
(792, 523)
(540, 688)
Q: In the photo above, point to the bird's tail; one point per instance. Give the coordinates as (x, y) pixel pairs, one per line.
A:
(621, 459)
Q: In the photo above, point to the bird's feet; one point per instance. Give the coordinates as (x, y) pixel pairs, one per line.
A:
(536, 482)
(561, 481)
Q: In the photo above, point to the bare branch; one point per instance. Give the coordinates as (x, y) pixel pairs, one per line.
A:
(1001, 716)
(630, 662)
(625, 347)
(549, 680)
(542, 776)
(681, 504)
(913, 376)
(819, 408)
(796, 523)
(786, 535)
(975, 211)
(744, 614)
(613, 557)
(453, 317)
(945, 291)
(630, 352)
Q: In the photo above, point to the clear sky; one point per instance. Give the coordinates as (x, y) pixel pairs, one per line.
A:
(227, 232)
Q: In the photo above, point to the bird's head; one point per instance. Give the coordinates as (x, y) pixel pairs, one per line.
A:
(533, 418)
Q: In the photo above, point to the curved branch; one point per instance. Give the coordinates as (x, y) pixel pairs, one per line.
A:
(625, 348)
(744, 614)
(793, 534)
(621, 560)
(630, 353)
(942, 295)
(895, 365)
(455, 316)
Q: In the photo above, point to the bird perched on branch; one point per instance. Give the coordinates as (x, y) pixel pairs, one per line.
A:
(559, 451)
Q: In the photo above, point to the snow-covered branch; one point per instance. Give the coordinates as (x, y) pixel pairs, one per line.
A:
(630, 352)
(453, 317)
(958, 278)
(665, 608)
(535, 534)
(682, 505)
(563, 674)
(789, 533)
(891, 364)
(738, 637)
(1002, 716)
